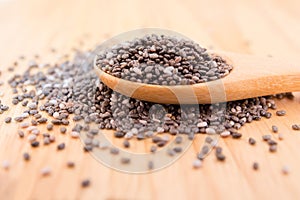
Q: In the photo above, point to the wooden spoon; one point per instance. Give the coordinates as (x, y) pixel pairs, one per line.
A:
(251, 77)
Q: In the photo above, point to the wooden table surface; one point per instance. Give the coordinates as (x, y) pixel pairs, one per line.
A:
(30, 27)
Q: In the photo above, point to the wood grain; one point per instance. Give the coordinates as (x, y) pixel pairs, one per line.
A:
(256, 27)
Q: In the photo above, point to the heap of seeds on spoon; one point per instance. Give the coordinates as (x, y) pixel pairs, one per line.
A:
(72, 91)
(162, 60)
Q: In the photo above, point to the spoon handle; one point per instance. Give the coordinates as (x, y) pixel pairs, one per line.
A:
(254, 76)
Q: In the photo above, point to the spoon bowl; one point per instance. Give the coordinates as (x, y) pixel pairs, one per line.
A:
(251, 76)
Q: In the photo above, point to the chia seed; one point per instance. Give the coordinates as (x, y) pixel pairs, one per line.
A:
(26, 156)
(35, 144)
(296, 127)
(85, 183)
(280, 112)
(61, 146)
(255, 166)
(7, 120)
(70, 164)
(252, 141)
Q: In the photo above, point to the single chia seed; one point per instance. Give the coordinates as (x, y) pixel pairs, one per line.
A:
(125, 160)
(114, 151)
(296, 127)
(255, 166)
(252, 141)
(61, 146)
(126, 144)
(49, 127)
(274, 129)
(266, 137)
(236, 135)
(70, 164)
(280, 112)
(273, 148)
(197, 164)
(26, 156)
(21, 133)
(7, 120)
(85, 183)
(63, 130)
(35, 144)
(46, 171)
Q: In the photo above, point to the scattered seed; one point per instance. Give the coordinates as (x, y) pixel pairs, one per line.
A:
(178, 140)
(32, 106)
(35, 144)
(266, 137)
(177, 149)
(153, 149)
(52, 138)
(150, 165)
(210, 131)
(63, 130)
(74, 134)
(197, 164)
(35, 131)
(274, 129)
(296, 127)
(225, 133)
(18, 119)
(85, 183)
(70, 164)
(21, 134)
(236, 135)
(8, 120)
(272, 142)
(208, 140)
(252, 141)
(46, 171)
(61, 146)
(31, 137)
(26, 156)
(88, 148)
(126, 144)
(273, 148)
(255, 166)
(24, 125)
(46, 140)
(125, 160)
(220, 157)
(114, 150)
(280, 112)
(49, 127)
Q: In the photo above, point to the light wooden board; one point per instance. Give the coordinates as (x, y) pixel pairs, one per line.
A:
(257, 27)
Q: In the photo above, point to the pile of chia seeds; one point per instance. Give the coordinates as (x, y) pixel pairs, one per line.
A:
(162, 60)
(71, 89)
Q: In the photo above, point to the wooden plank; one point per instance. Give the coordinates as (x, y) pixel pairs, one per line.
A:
(272, 27)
